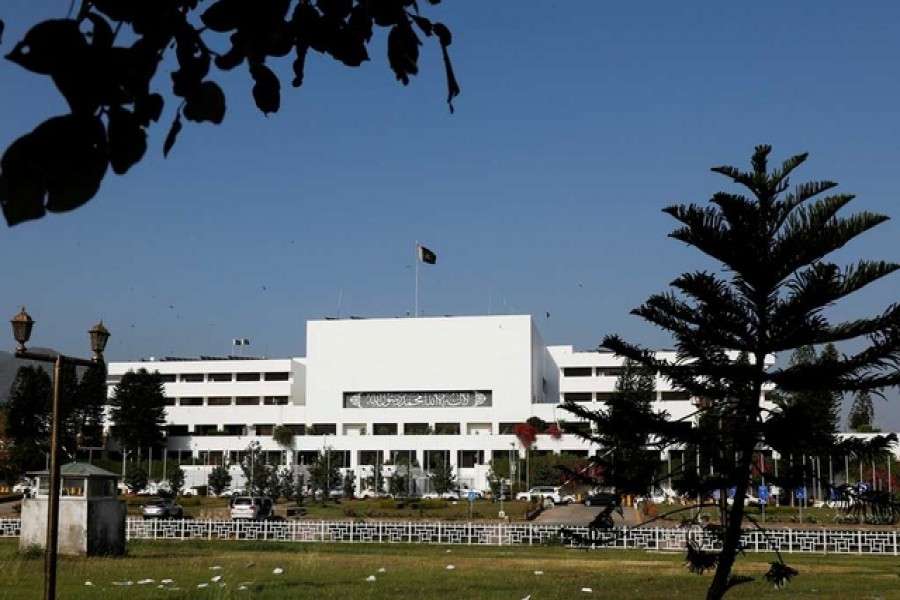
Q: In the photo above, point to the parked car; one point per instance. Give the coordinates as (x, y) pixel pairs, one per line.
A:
(663, 496)
(544, 493)
(23, 487)
(251, 508)
(601, 497)
(162, 508)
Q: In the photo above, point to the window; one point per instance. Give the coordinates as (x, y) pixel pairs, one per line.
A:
(192, 377)
(190, 401)
(248, 376)
(265, 429)
(307, 457)
(176, 430)
(219, 377)
(167, 377)
(417, 429)
(370, 457)
(609, 371)
(470, 458)
(234, 429)
(275, 400)
(675, 396)
(281, 376)
(205, 429)
(582, 427)
(578, 371)
(577, 396)
(324, 429)
(296, 429)
(446, 428)
(384, 429)
(170, 401)
(247, 401)
(219, 401)
(605, 396)
(507, 428)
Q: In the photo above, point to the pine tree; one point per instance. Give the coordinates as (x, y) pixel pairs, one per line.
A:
(138, 410)
(769, 296)
(862, 413)
(28, 418)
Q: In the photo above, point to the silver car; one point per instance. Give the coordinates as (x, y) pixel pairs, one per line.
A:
(162, 508)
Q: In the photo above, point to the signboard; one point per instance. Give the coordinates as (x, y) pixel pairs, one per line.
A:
(763, 493)
(436, 399)
(471, 495)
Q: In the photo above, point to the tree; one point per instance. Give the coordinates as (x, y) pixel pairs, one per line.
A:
(376, 480)
(769, 297)
(176, 481)
(818, 411)
(138, 410)
(86, 414)
(60, 165)
(862, 412)
(324, 475)
(283, 436)
(136, 477)
(257, 473)
(218, 480)
(442, 477)
(348, 486)
(28, 419)
(624, 430)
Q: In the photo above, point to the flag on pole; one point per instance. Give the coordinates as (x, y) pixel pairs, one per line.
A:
(426, 255)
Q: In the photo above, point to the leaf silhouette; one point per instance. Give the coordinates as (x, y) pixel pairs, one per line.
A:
(170, 137)
(49, 47)
(223, 16)
(63, 161)
(403, 52)
(266, 90)
(205, 103)
(127, 140)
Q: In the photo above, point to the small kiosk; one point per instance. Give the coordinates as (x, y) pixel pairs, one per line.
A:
(91, 516)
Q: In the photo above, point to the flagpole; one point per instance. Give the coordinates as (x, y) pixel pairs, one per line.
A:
(417, 280)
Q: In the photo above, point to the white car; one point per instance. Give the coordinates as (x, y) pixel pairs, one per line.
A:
(544, 493)
(23, 488)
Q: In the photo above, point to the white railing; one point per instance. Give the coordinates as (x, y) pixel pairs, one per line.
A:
(824, 541)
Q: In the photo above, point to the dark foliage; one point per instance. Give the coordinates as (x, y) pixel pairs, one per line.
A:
(138, 410)
(779, 574)
(108, 82)
(770, 296)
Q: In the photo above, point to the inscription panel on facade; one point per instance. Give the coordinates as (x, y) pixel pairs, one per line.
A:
(444, 399)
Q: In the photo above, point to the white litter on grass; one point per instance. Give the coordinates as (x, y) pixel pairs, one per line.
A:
(587, 590)
(242, 587)
(202, 585)
(146, 581)
(528, 597)
(278, 570)
(449, 550)
(88, 583)
(382, 570)
(450, 567)
(370, 578)
(123, 583)
(216, 578)
(538, 572)
(167, 581)
(215, 568)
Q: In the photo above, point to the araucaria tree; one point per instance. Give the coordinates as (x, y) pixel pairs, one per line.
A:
(862, 412)
(138, 410)
(768, 296)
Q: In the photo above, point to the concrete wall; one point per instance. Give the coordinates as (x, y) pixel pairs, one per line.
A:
(85, 527)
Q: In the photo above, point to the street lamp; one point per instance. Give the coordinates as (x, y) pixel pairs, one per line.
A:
(22, 325)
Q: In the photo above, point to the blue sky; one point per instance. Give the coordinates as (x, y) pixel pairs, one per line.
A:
(578, 122)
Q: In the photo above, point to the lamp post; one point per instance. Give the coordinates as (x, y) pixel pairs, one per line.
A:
(22, 324)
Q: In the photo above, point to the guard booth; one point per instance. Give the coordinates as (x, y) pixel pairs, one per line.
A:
(91, 516)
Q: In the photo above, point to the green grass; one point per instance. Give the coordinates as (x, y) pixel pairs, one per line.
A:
(339, 572)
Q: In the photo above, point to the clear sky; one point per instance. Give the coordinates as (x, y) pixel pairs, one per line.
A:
(578, 122)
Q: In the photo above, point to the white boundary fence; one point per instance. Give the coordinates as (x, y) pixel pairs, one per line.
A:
(830, 541)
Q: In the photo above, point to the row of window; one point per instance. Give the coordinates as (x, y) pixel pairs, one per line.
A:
(592, 371)
(228, 401)
(607, 396)
(267, 429)
(213, 377)
(426, 459)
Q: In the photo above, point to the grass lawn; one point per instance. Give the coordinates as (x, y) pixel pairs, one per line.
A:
(340, 572)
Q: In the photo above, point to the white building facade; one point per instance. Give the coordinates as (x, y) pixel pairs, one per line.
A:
(369, 391)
